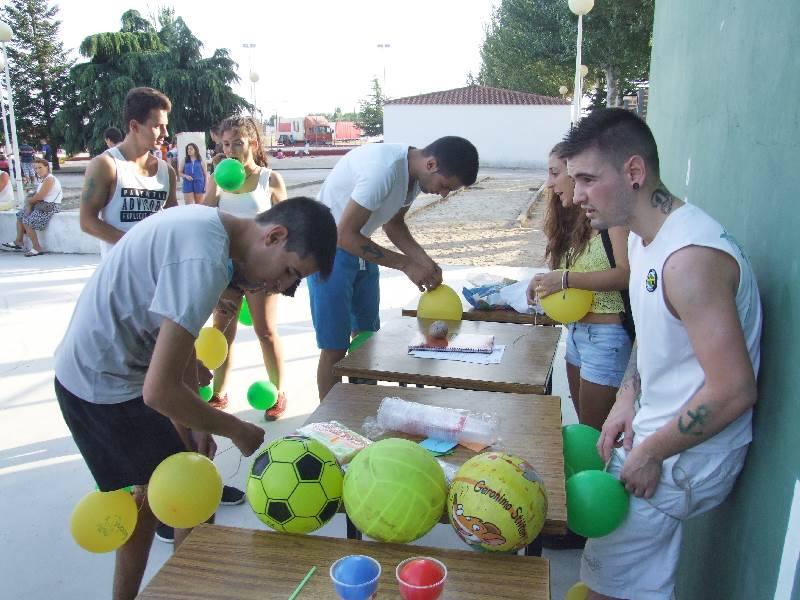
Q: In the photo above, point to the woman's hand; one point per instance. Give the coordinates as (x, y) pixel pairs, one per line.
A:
(544, 284)
(187, 177)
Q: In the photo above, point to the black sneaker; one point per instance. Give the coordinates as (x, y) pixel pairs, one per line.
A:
(165, 533)
(231, 496)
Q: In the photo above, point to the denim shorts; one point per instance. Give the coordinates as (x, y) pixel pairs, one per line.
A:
(348, 301)
(600, 350)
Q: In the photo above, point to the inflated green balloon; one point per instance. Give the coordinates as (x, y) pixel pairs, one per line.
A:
(262, 395)
(206, 392)
(360, 339)
(230, 174)
(596, 503)
(580, 449)
(245, 318)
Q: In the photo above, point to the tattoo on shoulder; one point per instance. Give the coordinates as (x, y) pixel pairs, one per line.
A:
(370, 251)
(662, 199)
(695, 421)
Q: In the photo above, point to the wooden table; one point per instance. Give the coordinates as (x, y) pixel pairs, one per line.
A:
(494, 316)
(529, 427)
(525, 368)
(216, 563)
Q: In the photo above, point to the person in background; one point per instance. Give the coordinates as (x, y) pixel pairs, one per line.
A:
(193, 175)
(112, 136)
(26, 156)
(262, 189)
(38, 209)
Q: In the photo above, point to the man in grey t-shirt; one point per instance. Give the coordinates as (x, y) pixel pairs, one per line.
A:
(126, 371)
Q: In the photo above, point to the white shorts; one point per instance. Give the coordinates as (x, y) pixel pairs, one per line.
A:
(639, 559)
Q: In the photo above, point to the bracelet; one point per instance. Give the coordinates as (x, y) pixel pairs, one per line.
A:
(563, 279)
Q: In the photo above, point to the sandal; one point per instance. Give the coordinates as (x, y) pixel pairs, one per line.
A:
(33, 252)
(12, 246)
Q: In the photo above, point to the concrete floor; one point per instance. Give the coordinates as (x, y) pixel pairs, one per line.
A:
(42, 475)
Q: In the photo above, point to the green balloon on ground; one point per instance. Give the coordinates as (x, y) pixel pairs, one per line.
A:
(206, 392)
(262, 395)
(230, 174)
(596, 503)
(245, 318)
(360, 339)
(580, 449)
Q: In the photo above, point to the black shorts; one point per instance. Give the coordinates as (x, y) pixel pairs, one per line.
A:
(122, 443)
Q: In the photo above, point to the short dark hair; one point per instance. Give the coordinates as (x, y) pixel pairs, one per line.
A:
(311, 227)
(140, 101)
(113, 134)
(616, 133)
(456, 157)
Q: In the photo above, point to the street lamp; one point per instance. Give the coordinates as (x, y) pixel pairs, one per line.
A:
(563, 90)
(579, 8)
(384, 46)
(5, 36)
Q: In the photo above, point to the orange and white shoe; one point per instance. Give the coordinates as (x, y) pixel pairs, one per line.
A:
(274, 413)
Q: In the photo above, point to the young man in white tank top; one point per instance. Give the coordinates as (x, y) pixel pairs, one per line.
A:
(126, 183)
(679, 430)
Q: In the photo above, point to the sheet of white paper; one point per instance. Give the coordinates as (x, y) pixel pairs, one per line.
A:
(469, 357)
(516, 296)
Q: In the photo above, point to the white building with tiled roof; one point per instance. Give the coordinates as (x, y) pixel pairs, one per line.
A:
(509, 129)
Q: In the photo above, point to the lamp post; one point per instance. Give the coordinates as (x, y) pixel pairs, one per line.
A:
(580, 8)
(384, 46)
(6, 139)
(5, 36)
(253, 76)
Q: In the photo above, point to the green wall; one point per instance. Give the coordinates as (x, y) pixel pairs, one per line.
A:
(725, 92)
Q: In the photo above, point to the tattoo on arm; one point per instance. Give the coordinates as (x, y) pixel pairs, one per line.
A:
(695, 422)
(88, 191)
(371, 251)
(631, 380)
(662, 199)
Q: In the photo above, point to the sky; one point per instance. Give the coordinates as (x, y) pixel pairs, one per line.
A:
(314, 55)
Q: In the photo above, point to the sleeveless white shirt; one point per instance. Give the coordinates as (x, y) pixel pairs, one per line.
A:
(6, 195)
(669, 370)
(135, 196)
(248, 204)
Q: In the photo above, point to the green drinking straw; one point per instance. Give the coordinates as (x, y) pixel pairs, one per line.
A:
(302, 583)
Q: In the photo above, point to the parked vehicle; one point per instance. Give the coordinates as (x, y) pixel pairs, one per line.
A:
(347, 131)
(314, 129)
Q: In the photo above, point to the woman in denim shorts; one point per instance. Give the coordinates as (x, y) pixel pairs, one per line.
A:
(598, 347)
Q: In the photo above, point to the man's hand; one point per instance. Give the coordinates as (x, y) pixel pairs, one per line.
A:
(618, 423)
(204, 376)
(204, 444)
(641, 472)
(249, 438)
(544, 284)
(425, 277)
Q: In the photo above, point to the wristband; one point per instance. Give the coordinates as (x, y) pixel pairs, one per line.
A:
(566, 279)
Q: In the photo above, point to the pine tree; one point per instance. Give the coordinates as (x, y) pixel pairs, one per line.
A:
(39, 67)
(370, 113)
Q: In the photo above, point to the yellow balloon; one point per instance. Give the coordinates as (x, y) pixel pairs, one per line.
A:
(441, 303)
(185, 490)
(567, 306)
(579, 591)
(211, 347)
(103, 521)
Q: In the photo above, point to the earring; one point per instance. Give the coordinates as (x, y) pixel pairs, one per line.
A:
(636, 186)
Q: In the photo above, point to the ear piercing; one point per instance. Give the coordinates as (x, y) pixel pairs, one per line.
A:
(636, 186)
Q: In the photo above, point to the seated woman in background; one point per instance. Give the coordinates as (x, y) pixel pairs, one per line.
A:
(598, 346)
(38, 210)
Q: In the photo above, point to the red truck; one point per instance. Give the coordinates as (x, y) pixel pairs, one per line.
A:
(314, 129)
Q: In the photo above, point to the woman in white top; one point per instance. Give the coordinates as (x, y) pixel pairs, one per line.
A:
(38, 209)
(262, 189)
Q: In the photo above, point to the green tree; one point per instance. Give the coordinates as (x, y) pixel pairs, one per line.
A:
(530, 46)
(38, 67)
(370, 113)
(168, 59)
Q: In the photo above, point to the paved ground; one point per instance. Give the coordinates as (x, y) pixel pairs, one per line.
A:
(42, 476)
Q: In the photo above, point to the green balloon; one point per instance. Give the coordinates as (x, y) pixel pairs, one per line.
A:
(262, 395)
(360, 339)
(596, 503)
(580, 449)
(230, 174)
(206, 392)
(245, 318)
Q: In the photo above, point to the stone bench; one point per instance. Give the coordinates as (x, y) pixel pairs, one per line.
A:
(63, 234)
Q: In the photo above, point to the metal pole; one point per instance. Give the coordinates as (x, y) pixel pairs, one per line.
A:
(578, 92)
(15, 146)
(7, 144)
